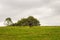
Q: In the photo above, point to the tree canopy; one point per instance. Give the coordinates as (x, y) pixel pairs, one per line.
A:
(8, 21)
(29, 21)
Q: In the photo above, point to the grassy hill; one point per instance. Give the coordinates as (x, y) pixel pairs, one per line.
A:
(26, 33)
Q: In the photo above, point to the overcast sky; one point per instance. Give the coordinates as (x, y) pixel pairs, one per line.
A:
(46, 11)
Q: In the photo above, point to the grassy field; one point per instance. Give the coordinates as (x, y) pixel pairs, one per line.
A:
(26, 33)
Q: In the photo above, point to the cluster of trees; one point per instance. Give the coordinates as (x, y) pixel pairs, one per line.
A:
(30, 21)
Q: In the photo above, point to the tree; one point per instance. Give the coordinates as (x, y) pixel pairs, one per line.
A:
(22, 22)
(8, 21)
(30, 21)
(33, 21)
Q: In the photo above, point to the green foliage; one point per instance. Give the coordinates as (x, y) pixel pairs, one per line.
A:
(8, 21)
(27, 33)
(33, 21)
(30, 21)
(22, 22)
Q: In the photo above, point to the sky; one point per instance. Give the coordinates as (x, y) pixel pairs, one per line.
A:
(46, 11)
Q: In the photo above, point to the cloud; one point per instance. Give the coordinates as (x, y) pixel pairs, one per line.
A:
(24, 3)
(45, 10)
(56, 6)
(42, 11)
(54, 20)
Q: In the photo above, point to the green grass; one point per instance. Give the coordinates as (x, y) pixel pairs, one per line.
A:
(26, 33)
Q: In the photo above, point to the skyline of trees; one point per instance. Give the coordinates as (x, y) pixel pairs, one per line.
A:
(29, 21)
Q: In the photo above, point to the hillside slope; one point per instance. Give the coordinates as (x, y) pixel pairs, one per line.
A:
(26, 33)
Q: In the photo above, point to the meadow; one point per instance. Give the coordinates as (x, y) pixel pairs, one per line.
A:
(27, 33)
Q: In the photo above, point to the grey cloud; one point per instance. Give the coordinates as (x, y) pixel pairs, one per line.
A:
(26, 3)
(56, 6)
(54, 20)
(10, 5)
(38, 8)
